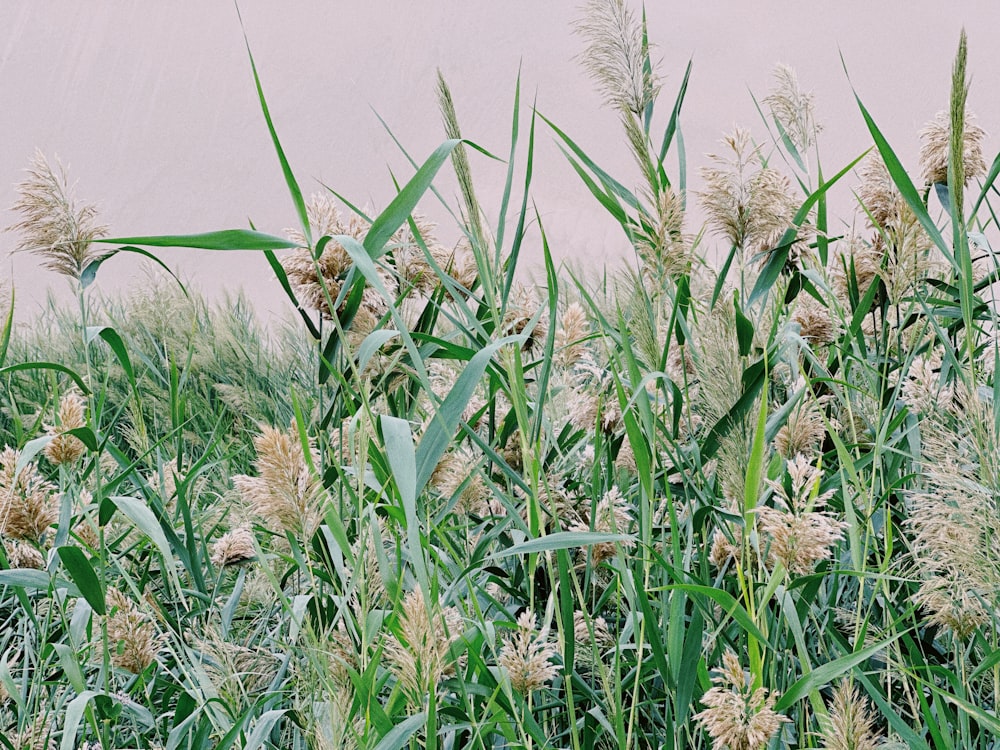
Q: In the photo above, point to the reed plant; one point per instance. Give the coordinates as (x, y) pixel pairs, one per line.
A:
(741, 505)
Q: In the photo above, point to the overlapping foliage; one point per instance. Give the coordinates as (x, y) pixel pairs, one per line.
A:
(737, 506)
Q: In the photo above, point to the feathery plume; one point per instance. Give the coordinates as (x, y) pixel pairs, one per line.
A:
(318, 281)
(527, 657)
(800, 535)
(28, 504)
(804, 429)
(934, 144)
(751, 207)
(521, 308)
(737, 717)
(132, 638)
(53, 225)
(616, 54)
(573, 328)
(233, 547)
(23, 555)
(285, 493)
(66, 449)
(420, 656)
(36, 736)
(816, 325)
(793, 108)
(851, 724)
(665, 253)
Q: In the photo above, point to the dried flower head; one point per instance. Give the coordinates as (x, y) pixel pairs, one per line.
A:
(37, 735)
(665, 251)
(233, 547)
(28, 503)
(318, 281)
(285, 493)
(954, 518)
(851, 725)
(800, 535)
(23, 555)
(737, 717)
(751, 207)
(616, 55)
(934, 143)
(66, 449)
(612, 515)
(527, 657)
(573, 329)
(816, 325)
(235, 669)
(877, 193)
(804, 429)
(593, 638)
(420, 656)
(132, 637)
(793, 108)
(53, 224)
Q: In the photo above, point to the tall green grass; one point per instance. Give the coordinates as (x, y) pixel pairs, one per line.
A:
(741, 506)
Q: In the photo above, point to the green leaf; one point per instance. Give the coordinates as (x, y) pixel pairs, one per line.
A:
(225, 239)
(82, 573)
(262, 728)
(562, 540)
(89, 272)
(724, 599)
(828, 672)
(397, 212)
(398, 737)
(146, 522)
(48, 366)
(442, 427)
(777, 257)
(74, 715)
(744, 328)
(110, 336)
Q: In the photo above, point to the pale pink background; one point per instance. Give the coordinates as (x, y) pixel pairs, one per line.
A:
(153, 107)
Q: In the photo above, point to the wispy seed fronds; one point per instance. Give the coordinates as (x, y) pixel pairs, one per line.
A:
(738, 717)
(66, 449)
(421, 656)
(616, 54)
(28, 503)
(851, 725)
(793, 108)
(934, 144)
(54, 225)
(285, 492)
(527, 657)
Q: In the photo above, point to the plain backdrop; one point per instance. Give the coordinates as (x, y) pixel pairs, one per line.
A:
(153, 108)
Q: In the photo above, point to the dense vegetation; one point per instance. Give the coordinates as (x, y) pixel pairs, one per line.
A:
(738, 505)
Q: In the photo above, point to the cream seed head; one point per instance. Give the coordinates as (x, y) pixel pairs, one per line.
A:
(527, 657)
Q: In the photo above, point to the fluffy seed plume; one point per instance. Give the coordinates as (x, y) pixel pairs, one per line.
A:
(420, 656)
(233, 547)
(737, 717)
(132, 638)
(285, 493)
(793, 108)
(934, 144)
(527, 657)
(800, 535)
(615, 56)
(573, 328)
(23, 555)
(28, 504)
(750, 207)
(317, 282)
(66, 449)
(53, 225)
(851, 725)
(803, 431)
